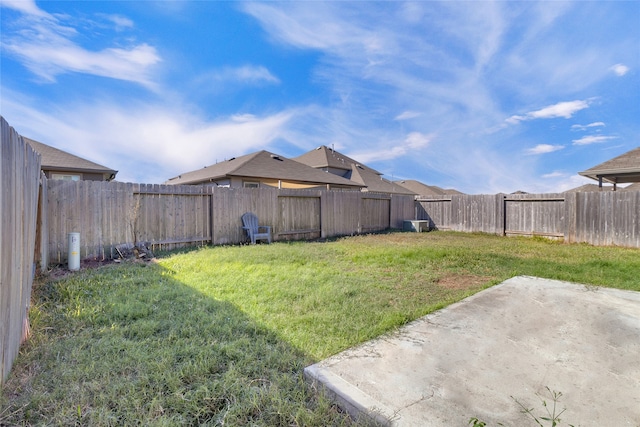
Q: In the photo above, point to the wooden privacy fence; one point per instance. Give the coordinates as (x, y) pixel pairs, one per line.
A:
(19, 184)
(110, 214)
(599, 218)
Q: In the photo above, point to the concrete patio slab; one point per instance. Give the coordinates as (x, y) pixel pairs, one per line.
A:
(512, 341)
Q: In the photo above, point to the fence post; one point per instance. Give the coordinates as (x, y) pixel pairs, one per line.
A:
(570, 217)
(501, 215)
(323, 214)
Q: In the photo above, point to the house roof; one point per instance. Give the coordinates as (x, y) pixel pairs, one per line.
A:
(374, 182)
(621, 169)
(325, 157)
(261, 164)
(53, 159)
(632, 187)
(421, 189)
(589, 187)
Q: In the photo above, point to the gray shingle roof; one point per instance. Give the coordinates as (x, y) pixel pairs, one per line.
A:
(632, 187)
(589, 187)
(261, 164)
(375, 183)
(426, 190)
(624, 168)
(54, 159)
(325, 157)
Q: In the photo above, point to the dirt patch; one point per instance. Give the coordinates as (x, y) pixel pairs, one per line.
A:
(61, 271)
(462, 281)
(126, 253)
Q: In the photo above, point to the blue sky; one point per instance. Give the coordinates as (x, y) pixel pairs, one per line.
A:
(484, 97)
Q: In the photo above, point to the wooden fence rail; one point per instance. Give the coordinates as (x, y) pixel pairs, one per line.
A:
(597, 218)
(19, 184)
(110, 214)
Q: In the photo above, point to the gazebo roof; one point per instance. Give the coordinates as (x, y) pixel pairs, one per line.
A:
(621, 169)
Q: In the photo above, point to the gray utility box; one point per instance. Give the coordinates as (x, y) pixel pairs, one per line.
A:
(416, 225)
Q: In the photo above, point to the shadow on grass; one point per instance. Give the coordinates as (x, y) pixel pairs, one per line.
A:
(127, 345)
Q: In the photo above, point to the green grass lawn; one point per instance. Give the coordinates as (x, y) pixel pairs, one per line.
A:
(220, 335)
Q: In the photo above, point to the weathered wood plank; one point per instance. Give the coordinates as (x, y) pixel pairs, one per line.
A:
(20, 184)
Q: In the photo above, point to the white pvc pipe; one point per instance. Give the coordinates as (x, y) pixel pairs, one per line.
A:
(74, 251)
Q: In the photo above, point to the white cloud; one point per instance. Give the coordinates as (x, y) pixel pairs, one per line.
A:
(458, 66)
(120, 22)
(544, 148)
(568, 183)
(417, 140)
(590, 125)
(374, 65)
(299, 25)
(592, 139)
(413, 142)
(555, 174)
(562, 109)
(243, 118)
(46, 48)
(406, 115)
(515, 119)
(620, 69)
(145, 142)
(248, 74)
(28, 7)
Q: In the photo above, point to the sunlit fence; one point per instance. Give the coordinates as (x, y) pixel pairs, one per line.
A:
(600, 218)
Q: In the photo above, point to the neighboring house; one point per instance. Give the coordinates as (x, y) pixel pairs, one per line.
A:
(421, 189)
(328, 160)
(58, 164)
(632, 187)
(622, 169)
(263, 169)
(589, 187)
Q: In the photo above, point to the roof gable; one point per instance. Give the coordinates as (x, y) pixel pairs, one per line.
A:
(325, 157)
(56, 159)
